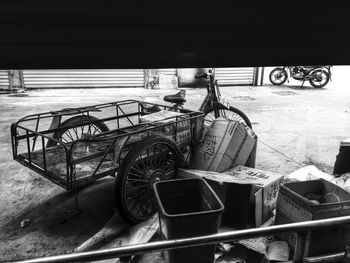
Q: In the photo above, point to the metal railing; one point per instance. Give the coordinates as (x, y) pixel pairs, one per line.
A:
(301, 228)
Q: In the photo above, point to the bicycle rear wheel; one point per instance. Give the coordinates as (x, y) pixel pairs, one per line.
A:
(230, 113)
(76, 127)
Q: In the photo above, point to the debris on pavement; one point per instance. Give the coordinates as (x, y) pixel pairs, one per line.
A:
(278, 251)
(25, 222)
(311, 172)
(137, 234)
(110, 230)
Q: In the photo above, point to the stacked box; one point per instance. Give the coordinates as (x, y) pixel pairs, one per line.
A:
(249, 194)
(312, 200)
(226, 144)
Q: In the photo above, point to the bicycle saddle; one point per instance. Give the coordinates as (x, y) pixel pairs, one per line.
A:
(176, 98)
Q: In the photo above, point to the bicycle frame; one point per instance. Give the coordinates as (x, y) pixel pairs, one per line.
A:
(213, 97)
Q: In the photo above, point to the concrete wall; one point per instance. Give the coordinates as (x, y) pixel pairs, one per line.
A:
(186, 77)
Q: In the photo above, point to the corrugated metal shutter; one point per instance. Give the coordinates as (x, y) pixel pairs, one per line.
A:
(83, 78)
(234, 76)
(4, 79)
(167, 71)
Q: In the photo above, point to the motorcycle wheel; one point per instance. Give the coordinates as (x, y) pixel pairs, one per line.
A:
(278, 76)
(321, 79)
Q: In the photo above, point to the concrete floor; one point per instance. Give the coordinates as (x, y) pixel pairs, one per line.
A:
(302, 125)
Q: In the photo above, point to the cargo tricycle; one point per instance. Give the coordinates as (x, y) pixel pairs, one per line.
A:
(136, 142)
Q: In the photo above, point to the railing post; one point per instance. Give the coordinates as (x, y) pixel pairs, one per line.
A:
(301, 246)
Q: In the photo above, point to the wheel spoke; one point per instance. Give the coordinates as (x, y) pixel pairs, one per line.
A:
(76, 132)
(140, 204)
(132, 188)
(136, 172)
(150, 158)
(137, 180)
(64, 140)
(155, 156)
(96, 130)
(169, 167)
(140, 161)
(69, 134)
(154, 159)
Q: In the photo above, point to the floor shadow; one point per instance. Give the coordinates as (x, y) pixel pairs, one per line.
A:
(305, 88)
(295, 87)
(58, 216)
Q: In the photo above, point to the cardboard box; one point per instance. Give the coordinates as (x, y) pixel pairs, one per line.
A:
(179, 131)
(163, 115)
(294, 206)
(249, 194)
(225, 145)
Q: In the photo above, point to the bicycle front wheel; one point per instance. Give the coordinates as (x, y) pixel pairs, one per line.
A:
(230, 113)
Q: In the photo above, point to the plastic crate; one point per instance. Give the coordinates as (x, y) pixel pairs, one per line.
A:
(294, 206)
(188, 208)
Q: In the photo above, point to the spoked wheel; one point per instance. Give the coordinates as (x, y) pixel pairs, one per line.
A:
(87, 125)
(231, 114)
(278, 76)
(320, 79)
(153, 159)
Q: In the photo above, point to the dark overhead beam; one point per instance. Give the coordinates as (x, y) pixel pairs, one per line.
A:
(153, 34)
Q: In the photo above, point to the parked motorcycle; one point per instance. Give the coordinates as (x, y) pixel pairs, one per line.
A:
(318, 76)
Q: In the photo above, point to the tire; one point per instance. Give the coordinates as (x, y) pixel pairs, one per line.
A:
(231, 113)
(278, 76)
(321, 78)
(152, 159)
(85, 127)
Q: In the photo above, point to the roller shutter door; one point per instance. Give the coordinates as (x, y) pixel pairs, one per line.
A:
(4, 79)
(83, 78)
(235, 76)
(167, 71)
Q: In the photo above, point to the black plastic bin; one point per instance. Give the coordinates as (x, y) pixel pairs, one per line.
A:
(188, 208)
(342, 164)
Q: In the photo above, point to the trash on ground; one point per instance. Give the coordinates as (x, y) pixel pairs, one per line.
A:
(312, 173)
(307, 173)
(137, 234)
(25, 222)
(110, 230)
(239, 254)
(278, 251)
